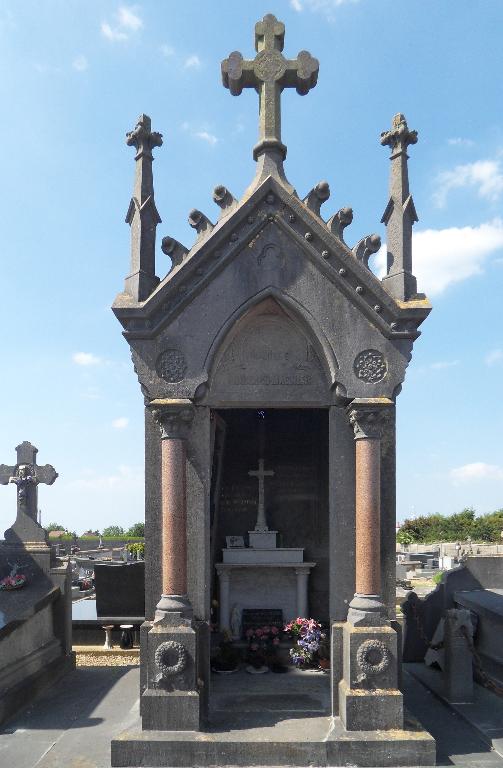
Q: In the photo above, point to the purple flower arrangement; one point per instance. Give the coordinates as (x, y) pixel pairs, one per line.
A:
(308, 636)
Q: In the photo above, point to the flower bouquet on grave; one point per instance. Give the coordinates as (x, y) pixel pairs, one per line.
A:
(13, 581)
(262, 646)
(308, 637)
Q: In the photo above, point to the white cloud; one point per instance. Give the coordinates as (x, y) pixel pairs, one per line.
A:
(129, 19)
(442, 364)
(326, 7)
(205, 136)
(485, 176)
(120, 423)
(200, 133)
(192, 62)
(494, 356)
(458, 141)
(127, 22)
(124, 477)
(476, 471)
(80, 63)
(86, 358)
(445, 256)
(167, 51)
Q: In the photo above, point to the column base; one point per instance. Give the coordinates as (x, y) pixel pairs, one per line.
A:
(366, 611)
(369, 698)
(378, 710)
(173, 610)
(170, 711)
(170, 692)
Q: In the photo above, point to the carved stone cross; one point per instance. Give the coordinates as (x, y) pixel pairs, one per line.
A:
(261, 474)
(269, 72)
(27, 475)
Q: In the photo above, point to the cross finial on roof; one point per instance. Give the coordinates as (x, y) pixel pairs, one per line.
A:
(269, 73)
(142, 215)
(400, 213)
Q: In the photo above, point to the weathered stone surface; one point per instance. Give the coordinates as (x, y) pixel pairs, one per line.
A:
(271, 311)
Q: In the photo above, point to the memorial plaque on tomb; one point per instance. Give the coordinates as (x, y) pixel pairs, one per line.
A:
(254, 618)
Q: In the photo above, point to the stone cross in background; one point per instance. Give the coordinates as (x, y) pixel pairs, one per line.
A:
(27, 475)
(261, 474)
(269, 72)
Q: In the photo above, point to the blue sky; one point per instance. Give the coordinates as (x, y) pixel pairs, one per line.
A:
(75, 76)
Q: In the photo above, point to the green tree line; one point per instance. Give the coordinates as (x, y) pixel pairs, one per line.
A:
(457, 527)
(136, 531)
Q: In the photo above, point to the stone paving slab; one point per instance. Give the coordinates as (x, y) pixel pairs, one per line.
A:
(72, 724)
(485, 714)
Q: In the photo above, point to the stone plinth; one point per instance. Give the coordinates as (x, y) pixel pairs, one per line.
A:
(368, 693)
(262, 539)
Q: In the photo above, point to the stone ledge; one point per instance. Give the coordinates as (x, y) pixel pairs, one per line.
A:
(291, 742)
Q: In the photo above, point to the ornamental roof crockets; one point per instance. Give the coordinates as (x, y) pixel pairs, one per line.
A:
(148, 304)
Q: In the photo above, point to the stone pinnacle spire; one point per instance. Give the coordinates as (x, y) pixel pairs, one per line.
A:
(142, 213)
(269, 73)
(400, 213)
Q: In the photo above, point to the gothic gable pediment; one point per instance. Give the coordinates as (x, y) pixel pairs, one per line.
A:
(271, 205)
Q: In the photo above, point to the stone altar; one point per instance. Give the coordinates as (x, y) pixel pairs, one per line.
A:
(271, 309)
(263, 575)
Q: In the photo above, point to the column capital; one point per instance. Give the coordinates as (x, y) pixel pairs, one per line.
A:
(174, 417)
(369, 416)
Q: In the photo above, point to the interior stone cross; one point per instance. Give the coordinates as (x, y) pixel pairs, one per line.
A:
(261, 474)
(27, 475)
(269, 72)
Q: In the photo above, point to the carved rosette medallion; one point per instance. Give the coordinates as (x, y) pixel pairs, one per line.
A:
(170, 658)
(373, 657)
(269, 65)
(370, 366)
(171, 365)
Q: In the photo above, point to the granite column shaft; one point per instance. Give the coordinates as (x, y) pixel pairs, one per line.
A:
(174, 418)
(368, 416)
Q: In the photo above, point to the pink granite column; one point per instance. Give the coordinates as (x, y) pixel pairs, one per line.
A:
(368, 515)
(174, 418)
(367, 417)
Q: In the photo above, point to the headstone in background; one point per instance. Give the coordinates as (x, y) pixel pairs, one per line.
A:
(120, 589)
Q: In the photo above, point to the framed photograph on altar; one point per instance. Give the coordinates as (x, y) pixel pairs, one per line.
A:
(235, 542)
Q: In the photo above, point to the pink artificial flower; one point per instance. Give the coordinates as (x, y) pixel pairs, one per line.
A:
(275, 641)
(266, 630)
(254, 647)
(274, 630)
(249, 633)
(259, 632)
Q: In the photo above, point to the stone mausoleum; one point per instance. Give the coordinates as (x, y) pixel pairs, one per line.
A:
(270, 358)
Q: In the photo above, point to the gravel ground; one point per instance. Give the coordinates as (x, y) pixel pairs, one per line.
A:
(99, 657)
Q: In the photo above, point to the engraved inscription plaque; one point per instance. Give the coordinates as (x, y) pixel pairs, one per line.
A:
(270, 352)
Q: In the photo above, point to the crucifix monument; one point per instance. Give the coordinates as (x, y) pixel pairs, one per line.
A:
(26, 475)
(36, 621)
(271, 311)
